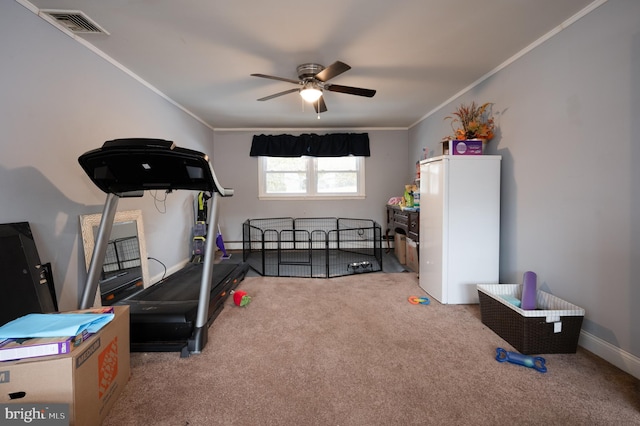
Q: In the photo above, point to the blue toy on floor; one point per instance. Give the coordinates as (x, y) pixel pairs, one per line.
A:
(537, 362)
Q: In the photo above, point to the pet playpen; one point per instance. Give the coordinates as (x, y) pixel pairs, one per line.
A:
(312, 247)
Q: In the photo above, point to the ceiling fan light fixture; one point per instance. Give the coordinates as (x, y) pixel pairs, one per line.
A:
(310, 94)
(313, 79)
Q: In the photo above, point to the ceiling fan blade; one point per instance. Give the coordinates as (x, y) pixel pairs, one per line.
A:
(319, 105)
(332, 70)
(275, 95)
(271, 77)
(351, 90)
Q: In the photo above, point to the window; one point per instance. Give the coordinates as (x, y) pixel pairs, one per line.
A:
(316, 177)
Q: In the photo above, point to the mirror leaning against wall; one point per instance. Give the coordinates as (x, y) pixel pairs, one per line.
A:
(125, 270)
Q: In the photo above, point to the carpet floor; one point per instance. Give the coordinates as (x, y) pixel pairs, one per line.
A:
(353, 351)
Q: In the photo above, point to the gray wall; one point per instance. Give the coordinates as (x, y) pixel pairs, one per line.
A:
(568, 111)
(57, 101)
(384, 178)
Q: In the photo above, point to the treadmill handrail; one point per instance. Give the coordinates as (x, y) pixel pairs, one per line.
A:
(225, 192)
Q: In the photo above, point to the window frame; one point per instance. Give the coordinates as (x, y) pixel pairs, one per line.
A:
(312, 180)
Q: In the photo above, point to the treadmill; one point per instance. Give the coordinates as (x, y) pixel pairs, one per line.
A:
(175, 313)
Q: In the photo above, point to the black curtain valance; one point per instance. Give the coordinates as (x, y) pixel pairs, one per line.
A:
(329, 145)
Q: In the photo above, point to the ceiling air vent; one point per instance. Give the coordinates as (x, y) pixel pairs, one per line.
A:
(74, 21)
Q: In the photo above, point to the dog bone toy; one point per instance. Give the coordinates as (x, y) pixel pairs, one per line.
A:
(536, 362)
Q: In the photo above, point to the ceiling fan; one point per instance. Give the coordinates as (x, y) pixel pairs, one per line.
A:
(314, 81)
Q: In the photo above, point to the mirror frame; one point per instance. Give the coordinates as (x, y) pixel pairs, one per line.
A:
(90, 221)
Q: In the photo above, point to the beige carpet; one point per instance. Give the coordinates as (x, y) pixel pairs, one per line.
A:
(354, 351)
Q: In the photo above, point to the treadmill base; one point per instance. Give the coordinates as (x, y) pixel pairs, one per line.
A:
(168, 325)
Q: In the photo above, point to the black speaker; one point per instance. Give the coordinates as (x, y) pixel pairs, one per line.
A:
(25, 284)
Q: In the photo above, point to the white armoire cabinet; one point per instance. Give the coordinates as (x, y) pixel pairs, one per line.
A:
(459, 225)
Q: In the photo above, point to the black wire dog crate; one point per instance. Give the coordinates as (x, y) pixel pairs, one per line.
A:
(312, 247)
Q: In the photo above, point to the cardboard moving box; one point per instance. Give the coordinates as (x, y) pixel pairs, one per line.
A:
(400, 248)
(82, 385)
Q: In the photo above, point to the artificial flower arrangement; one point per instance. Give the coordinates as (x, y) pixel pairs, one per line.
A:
(471, 122)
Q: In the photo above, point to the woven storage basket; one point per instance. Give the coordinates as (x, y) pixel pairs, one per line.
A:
(552, 328)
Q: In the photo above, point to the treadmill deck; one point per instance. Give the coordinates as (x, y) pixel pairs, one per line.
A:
(163, 315)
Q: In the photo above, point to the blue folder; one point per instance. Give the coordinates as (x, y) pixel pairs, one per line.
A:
(54, 325)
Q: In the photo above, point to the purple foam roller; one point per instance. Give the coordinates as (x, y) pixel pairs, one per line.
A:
(529, 284)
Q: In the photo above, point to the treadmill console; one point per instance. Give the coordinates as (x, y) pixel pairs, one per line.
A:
(124, 166)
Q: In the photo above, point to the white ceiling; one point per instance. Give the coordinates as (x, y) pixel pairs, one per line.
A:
(417, 54)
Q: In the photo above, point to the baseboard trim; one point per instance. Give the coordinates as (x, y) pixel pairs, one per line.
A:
(623, 360)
